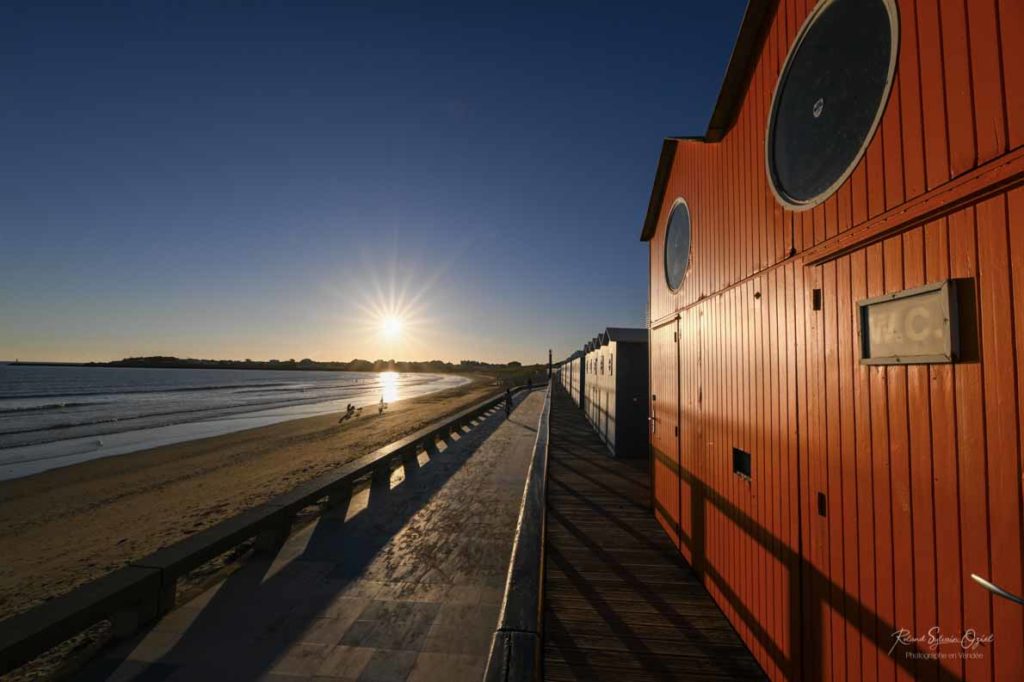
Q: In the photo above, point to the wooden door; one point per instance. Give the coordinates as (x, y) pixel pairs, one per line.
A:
(691, 446)
(665, 427)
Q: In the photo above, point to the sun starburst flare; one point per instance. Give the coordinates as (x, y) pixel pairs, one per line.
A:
(391, 326)
(391, 315)
(389, 308)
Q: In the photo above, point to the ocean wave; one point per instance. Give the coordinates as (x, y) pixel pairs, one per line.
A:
(118, 390)
(47, 407)
(50, 433)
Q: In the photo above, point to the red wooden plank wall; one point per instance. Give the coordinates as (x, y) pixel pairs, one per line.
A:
(920, 467)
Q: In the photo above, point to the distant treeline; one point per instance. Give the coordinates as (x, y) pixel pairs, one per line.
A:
(307, 364)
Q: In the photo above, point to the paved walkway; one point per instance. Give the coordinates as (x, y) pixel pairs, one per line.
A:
(620, 602)
(404, 584)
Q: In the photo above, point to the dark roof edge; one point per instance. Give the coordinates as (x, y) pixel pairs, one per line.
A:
(757, 21)
(668, 153)
(626, 334)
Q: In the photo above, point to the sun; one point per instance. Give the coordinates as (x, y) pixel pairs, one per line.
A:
(391, 326)
(390, 309)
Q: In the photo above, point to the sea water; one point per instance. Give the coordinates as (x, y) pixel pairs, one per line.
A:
(55, 416)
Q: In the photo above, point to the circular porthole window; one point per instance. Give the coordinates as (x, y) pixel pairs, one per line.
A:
(677, 245)
(830, 97)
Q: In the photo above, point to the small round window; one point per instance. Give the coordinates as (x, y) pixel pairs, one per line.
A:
(830, 97)
(677, 245)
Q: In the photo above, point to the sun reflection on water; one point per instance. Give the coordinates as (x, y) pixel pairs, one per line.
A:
(389, 386)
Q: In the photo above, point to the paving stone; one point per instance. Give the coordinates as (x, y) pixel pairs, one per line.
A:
(341, 607)
(388, 666)
(327, 630)
(346, 662)
(392, 625)
(414, 591)
(462, 629)
(432, 666)
(302, 660)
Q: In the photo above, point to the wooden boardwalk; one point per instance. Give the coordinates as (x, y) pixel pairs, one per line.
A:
(620, 602)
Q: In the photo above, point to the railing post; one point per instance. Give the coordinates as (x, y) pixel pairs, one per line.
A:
(340, 495)
(168, 596)
(271, 538)
(380, 480)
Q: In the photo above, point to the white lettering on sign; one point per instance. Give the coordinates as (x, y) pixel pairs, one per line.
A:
(906, 327)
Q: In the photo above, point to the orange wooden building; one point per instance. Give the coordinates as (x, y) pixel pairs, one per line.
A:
(834, 461)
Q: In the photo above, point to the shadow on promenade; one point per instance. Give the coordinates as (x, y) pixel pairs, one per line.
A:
(267, 608)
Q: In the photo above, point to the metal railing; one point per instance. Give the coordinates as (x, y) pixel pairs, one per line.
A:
(145, 589)
(516, 648)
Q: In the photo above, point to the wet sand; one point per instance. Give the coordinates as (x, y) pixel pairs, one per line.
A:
(64, 527)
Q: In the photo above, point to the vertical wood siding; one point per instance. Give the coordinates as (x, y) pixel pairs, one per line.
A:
(601, 408)
(919, 467)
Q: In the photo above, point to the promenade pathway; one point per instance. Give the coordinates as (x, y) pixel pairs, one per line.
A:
(620, 602)
(403, 583)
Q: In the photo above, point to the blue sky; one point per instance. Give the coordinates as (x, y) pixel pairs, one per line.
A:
(267, 180)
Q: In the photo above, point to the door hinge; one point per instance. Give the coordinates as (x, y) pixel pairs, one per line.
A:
(675, 336)
(677, 429)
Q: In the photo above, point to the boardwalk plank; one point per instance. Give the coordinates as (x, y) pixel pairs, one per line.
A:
(620, 603)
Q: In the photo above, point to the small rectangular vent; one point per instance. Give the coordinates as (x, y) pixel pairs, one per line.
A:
(741, 463)
(822, 505)
(816, 299)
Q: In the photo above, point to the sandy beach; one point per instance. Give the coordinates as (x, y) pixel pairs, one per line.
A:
(64, 527)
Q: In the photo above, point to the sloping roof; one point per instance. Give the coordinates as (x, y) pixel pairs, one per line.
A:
(668, 154)
(626, 334)
(757, 20)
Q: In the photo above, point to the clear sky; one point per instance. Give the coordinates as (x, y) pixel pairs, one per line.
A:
(270, 180)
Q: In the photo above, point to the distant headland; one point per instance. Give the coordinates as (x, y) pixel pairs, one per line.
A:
(357, 365)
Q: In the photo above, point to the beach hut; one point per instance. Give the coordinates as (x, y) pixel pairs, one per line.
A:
(590, 403)
(588, 358)
(587, 371)
(563, 373)
(618, 391)
(836, 306)
(577, 377)
(592, 408)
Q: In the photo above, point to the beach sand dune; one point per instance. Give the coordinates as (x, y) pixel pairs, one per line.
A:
(64, 527)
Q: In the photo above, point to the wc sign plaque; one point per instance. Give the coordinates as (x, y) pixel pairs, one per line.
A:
(910, 327)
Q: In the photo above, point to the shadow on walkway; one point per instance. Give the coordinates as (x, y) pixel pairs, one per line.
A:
(620, 603)
(332, 600)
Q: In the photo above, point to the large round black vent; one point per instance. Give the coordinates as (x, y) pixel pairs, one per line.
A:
(677, 245)
(830, 97)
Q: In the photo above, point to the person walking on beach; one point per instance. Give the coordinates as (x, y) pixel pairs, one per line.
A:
(508, 402)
